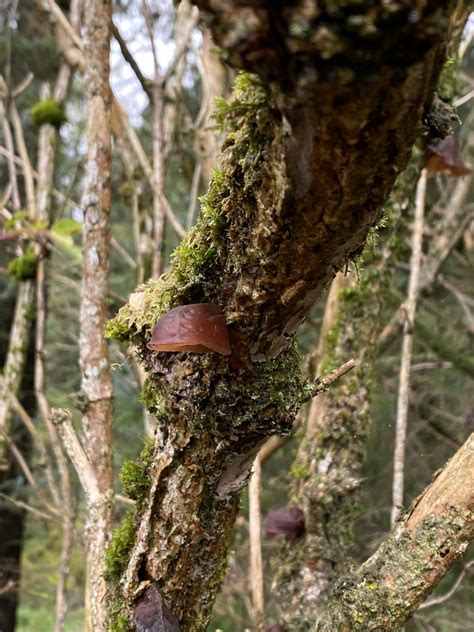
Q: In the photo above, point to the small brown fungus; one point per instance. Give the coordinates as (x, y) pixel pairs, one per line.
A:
(198, 328)
(444, 156)
(286, 521)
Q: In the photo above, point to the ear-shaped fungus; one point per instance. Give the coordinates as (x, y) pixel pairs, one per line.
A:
(198, 328)
(285, 520)
(444, 156)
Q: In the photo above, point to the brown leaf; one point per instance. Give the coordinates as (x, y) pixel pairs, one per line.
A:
(153, 615)
(286, 520)
(276, 628)
(444, 157)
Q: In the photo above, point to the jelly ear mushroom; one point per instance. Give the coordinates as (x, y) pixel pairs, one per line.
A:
(444, 157)
(198, 328)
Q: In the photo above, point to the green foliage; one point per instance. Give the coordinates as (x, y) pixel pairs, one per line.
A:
(116, 556)
(48, 111)
(19, 217)
(24, 266)
(66, 226)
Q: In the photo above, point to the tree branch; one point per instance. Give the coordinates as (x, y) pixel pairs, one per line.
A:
(385, 591)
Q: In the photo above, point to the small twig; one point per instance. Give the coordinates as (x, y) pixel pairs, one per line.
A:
(324, 382)
(13, 178)
(183, 44)
(130, 59)
(124, 500)
(255, 533)
(407, 345)
(54, 192)
(30, 508)
(117, 246)
(40, 446)
(27, 167)
(62, 419)
(29, 475)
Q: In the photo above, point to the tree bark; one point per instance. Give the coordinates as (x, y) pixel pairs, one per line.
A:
(389, 586)
(312, 151)
(96, 380)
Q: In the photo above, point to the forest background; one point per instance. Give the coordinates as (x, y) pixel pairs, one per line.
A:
(440, 406)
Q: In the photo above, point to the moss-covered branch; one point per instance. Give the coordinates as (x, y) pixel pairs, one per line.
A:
(304, 170)
(388, 587)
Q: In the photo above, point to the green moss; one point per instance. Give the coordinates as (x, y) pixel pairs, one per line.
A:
(117, 554)
(24, 266)
(126, 190)
(275, 394)
(138, 317)
(48, 111)
(134, 474)
(154, 401)
(450, 84)
(118, 621)
(208, 255)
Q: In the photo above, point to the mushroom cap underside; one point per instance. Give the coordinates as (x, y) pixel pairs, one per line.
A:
(197, 328)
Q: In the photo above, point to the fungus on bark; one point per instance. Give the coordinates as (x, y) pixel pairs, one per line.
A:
(286, 521)
(198, 328)
(444, 156)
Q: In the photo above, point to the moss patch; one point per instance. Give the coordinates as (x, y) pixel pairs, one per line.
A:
(117, 554)
(134, 474)
(24, 266)
(48, 111)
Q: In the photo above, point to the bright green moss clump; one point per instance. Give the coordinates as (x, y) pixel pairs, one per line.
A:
(134, 474)
(48, 111)
(23, 267)
(117, 554)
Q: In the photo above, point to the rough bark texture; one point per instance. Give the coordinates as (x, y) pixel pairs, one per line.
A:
(96, 381)
(389, 586)
(328, 472)
(311, 154)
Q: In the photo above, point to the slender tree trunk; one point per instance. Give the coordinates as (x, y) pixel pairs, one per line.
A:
(96, 381)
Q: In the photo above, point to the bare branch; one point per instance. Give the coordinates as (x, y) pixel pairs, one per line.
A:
(404, 385)
(256, 564)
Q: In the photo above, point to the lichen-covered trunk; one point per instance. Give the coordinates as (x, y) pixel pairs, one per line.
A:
(312, 150)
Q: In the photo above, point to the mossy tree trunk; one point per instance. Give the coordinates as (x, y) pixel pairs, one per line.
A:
(315, 140)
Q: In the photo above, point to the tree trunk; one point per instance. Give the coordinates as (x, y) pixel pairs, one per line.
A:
(313, 147)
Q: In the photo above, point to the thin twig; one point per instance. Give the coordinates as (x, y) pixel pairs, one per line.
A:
(7, 134)
(40, 446)
(63, 422)
(324, 382)
(22, 505)
(130, 59)
(255, 533)
(407, 345)
(27, 167)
